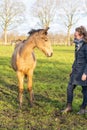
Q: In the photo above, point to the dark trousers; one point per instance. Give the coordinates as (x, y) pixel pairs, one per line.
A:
(70, 90)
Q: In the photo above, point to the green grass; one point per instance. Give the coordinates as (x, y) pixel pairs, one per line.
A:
(50, 81)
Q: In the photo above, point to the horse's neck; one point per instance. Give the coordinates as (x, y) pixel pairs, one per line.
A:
(28, 47)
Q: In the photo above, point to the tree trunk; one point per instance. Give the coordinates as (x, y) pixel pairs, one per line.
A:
(5, 36)
(68, 36)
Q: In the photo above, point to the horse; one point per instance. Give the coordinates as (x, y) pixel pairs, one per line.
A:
(23, 60)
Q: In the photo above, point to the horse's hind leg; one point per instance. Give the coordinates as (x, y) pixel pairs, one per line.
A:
(30, 74)
(20, 79)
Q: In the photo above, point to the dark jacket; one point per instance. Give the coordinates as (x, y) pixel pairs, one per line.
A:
(79, 66)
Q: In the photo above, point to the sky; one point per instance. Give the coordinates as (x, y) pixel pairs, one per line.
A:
(31, 22)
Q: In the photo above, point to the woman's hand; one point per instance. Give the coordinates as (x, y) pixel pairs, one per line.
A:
(84, 77)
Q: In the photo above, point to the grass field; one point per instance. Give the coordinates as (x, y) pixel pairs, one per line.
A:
(49, 83)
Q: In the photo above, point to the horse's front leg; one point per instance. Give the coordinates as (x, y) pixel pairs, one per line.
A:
(30, 74)
(20, 80)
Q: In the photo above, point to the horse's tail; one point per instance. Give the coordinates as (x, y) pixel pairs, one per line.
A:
(14, 56)
(13, 62)
(14, 59)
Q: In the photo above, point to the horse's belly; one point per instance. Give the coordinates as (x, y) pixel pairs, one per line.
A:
(25, 65)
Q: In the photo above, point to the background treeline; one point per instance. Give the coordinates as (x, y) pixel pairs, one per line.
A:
(21, 16)
(55, 39)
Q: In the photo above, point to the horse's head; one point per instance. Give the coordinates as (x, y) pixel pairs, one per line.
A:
(42, 41)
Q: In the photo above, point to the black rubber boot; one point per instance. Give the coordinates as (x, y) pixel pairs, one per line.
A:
(82, 111)
(67, 109)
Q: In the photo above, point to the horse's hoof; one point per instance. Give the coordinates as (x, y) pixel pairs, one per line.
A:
(20, 106)
(31, 105)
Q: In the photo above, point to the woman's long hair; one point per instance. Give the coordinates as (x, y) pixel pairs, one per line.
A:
(82, 31)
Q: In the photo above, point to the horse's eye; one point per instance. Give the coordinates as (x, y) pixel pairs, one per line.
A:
(46, 40)
(45, 33)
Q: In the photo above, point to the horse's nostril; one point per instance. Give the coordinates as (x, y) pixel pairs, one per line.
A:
(51, 53)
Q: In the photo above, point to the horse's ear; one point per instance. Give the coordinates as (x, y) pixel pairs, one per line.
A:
(46, 29)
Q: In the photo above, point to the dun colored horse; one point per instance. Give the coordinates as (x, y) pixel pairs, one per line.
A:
(23, 58)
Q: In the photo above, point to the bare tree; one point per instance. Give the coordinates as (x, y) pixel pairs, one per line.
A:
(45, 11)
(69, 15)
(85, 7)
(85, 4)
(11, 14)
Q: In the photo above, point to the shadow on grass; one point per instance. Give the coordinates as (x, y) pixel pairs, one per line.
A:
(9, 95)
(40, 100)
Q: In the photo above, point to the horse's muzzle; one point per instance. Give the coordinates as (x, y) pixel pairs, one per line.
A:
(49, 55)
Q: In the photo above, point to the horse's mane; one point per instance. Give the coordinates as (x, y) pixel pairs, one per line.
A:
(32, 31)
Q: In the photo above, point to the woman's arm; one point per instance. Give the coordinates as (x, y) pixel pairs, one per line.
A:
(84, 76)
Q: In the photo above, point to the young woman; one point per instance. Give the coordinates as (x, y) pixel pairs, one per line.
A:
(78, 75)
